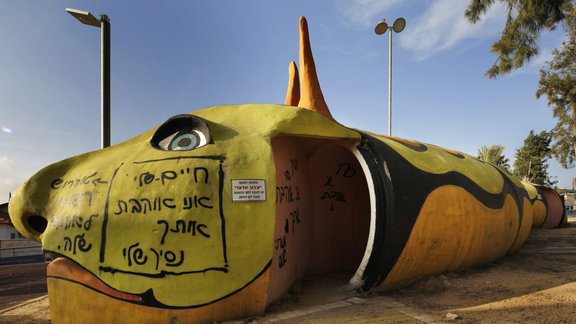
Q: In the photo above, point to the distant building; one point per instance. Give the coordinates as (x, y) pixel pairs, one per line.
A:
(569, 200)
(14, 248)
(7, 230)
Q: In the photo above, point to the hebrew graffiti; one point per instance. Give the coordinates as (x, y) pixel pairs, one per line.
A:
(191, 193)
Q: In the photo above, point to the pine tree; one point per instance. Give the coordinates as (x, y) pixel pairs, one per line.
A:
(558, 83)
(519, 42)
(525, 21)
(530, 164)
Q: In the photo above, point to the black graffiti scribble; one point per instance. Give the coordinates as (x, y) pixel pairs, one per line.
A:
(143, 205)
(200, 174)
(78, 243)
(70, 222)
(191, 227)
(78, 182)
(280, 243)
(135, 255)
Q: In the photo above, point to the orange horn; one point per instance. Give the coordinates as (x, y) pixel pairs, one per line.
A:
(293, 92)
(311, 95)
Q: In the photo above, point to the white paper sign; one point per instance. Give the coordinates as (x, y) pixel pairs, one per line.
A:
(248, 190)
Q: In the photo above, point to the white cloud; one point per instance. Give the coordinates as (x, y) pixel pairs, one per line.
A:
(7, 185)
(5, 163)
(432, 26)
(443, 26)
(366, 13)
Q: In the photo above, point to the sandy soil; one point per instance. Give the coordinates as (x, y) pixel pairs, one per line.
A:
(537, 284)
(19, 283)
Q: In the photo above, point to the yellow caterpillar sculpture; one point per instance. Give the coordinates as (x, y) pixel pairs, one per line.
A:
(214, 215)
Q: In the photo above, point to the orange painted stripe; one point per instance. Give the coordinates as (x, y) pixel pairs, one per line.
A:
(67, 269)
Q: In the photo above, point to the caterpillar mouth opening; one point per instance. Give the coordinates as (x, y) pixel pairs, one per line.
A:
(323, 210)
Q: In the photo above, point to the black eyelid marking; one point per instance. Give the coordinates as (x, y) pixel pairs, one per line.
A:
(163, 138)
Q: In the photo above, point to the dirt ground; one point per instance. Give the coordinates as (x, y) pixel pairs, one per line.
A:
(536, 284)
(21, 282)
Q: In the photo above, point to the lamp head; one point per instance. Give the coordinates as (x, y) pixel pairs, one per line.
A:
(399, 25)
(85, 17)
(381, 27)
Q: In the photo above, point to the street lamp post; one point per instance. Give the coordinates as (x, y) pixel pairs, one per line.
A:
(103, 23)
(380, 29)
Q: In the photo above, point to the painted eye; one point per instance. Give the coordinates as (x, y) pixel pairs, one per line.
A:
(182, 133)
(183, 141)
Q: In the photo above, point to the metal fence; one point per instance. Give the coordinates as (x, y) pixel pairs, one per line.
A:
(22, 254)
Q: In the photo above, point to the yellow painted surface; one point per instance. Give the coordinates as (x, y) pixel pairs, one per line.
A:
(526, 223)
(455, 231)
(437, 160)
(156, 237)
(530, 189)
(539, 213)
(143, 219)
(73, 303)
(539, 209)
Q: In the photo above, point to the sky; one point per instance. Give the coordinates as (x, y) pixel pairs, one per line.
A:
(172, 57)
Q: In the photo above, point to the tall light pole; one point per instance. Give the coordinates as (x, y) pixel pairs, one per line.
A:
(103, 23)
(380, 29)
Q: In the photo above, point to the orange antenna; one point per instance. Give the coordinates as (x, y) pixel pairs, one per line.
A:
(293, 92)
(310, 93)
